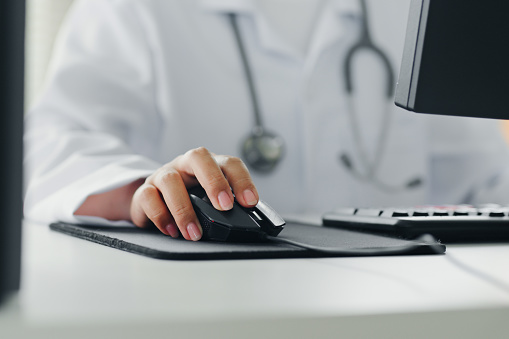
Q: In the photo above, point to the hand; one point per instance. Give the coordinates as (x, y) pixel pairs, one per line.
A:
(163, 199)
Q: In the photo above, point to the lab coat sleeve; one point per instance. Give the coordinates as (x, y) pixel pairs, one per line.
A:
(95, 127)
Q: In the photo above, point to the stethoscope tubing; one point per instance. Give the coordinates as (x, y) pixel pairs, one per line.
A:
(371, 166)
(255, 153)
(366, 43)
(248, 73)
(261, 150)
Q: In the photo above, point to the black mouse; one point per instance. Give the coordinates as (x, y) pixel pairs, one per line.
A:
(238, 224)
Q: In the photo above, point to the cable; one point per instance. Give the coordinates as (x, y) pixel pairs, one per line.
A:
(479, 274)
(422, 240)
(425, 239)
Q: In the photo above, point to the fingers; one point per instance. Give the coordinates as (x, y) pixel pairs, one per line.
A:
(200, 163)
(164, 200)
(239, 179)
(176, 199)
(218, 175)
(148, 206)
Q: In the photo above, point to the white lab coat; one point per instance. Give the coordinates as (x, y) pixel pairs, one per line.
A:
(135, 83)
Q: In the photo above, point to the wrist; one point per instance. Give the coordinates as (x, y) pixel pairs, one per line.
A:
(111, 205)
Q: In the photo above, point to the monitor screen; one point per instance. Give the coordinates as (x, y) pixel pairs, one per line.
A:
(12, 28)
(456, 59)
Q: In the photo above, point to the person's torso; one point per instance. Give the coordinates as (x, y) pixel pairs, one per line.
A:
(203, 98)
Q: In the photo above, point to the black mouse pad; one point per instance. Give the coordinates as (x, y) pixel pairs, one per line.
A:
(153, 243)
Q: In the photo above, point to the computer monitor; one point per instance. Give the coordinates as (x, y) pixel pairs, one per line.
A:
(12, 33)
(456, 59)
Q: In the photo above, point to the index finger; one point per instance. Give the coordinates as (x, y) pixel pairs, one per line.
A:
(169, 182)
(239, 179)
(201, 164)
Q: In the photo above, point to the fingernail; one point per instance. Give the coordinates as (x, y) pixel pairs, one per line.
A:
(172, 230)
(194, 231)
(250, 197)
(225, 201)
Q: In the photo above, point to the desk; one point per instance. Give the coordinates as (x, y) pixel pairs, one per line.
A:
(74, 288)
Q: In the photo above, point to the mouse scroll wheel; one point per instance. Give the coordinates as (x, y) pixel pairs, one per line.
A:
(270, 214)
(255, 216)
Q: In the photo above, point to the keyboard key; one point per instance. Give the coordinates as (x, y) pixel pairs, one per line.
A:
(497, 214)
(440, 213)
(395, 213)
(400, 213)
(369, 212)
(464, 210)
(492, 212)
(462, 213)
(420, 212)
(455, 223)
(345, 211)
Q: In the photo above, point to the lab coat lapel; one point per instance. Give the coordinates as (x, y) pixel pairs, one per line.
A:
(229, 6)
(268, 40)
(330, 29)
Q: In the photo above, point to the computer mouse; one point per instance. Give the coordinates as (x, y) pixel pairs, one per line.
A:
(238, 224)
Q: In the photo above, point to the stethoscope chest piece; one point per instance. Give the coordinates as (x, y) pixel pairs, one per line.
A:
(262, 150)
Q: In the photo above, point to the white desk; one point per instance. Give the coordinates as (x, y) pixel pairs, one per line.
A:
(74, 288)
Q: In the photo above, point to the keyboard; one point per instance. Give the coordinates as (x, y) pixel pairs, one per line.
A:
(457, 223)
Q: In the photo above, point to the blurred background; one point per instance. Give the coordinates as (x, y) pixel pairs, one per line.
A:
(44, 18)
(43, 21)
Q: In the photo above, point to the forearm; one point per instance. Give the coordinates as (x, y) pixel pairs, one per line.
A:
(111, 205)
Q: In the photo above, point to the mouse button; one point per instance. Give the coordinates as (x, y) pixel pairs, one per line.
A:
(238, 217)
(215, 231)
(204, 207)
(198, 191)
(270, 222)
(235, 218)
(196, 200)
(269, 213)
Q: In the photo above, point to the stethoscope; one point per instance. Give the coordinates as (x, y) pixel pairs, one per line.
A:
(263, 150)
(371, 166)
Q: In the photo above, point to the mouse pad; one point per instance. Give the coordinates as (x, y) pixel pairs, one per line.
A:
(153, 243)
